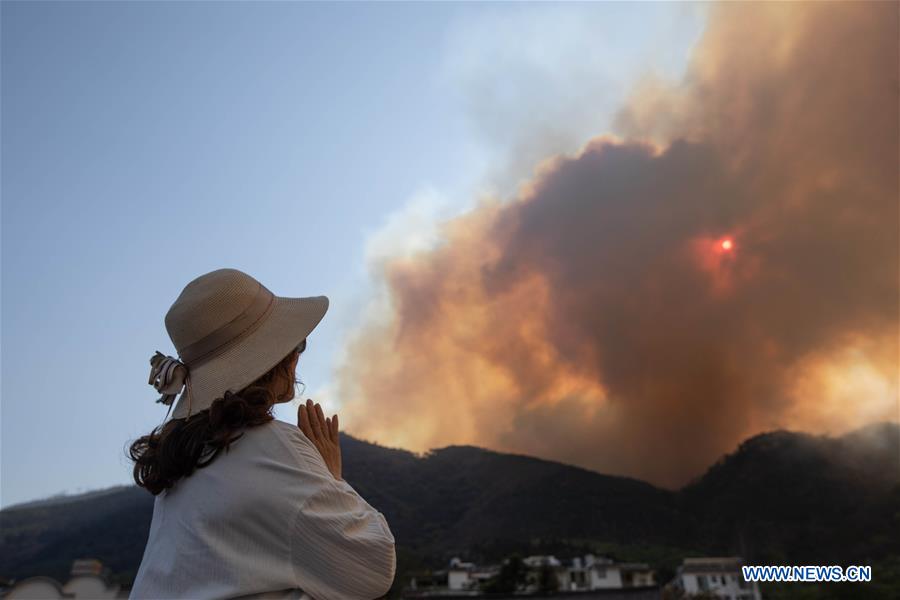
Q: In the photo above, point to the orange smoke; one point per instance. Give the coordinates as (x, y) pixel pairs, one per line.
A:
(599, 318)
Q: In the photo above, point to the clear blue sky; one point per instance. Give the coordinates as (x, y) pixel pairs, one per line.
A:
(144, 144)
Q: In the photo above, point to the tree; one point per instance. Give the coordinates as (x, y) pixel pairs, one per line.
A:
(547, 580)
(511, 575)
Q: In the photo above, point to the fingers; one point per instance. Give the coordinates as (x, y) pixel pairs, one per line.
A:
(312, 422)
(303, 421)
(308, 421)
(314, 419)
(323, 429)
(331, 428)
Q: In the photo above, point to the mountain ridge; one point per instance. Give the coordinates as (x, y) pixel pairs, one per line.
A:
(881, 426)
(778, 496)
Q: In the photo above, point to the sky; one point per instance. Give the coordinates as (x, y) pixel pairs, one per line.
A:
(144, 144)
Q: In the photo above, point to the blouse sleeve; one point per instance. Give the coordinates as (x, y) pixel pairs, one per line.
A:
(341, 547)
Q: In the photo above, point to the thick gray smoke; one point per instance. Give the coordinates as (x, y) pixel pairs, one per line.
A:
(727, 264)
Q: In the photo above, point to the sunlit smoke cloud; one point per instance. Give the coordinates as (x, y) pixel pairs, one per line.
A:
(726, 263)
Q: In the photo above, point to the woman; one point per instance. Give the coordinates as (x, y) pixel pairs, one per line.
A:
(247, 505)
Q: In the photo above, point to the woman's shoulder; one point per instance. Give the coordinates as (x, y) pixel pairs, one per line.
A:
(286, 451)
(289, 431)
(286, 436)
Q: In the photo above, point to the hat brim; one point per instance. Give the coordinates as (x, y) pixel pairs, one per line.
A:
(290, 322)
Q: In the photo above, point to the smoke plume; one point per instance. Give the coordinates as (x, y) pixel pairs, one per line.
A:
(726, 263)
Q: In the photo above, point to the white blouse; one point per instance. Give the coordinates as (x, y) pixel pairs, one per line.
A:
(266, 519)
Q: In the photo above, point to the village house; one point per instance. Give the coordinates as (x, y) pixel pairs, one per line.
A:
(468, 576)
(720, 577)
(596, 573)
(87, 579)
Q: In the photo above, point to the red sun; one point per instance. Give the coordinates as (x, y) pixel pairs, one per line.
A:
(727, 244)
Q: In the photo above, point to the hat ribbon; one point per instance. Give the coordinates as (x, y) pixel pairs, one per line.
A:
(168, 375)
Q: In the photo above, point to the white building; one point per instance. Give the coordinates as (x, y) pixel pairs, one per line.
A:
(597, 573)
(87, 580)
(538, 561)
(636, 575)
(464, 576)
(721, 577)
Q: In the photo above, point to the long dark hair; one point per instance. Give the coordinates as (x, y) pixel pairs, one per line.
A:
(178, 447)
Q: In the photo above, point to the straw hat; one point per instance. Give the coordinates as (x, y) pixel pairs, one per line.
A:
(228, 330)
